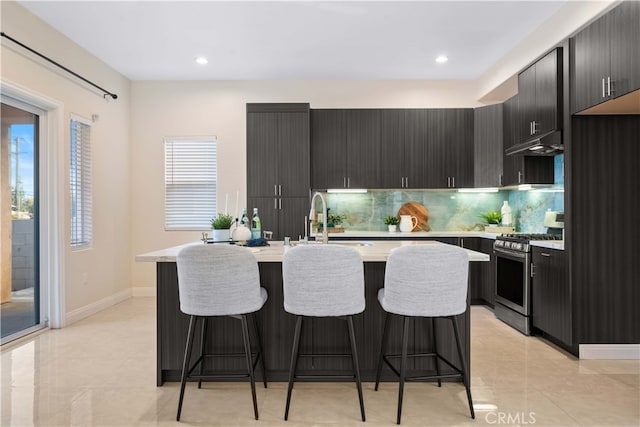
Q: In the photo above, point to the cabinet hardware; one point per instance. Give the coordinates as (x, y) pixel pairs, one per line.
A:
(545, 254)
(280, 204)
(519, 177)
(406, 182)
(279, 190)
(603, 92)
(348, 182)
(402, 185)
(275, 189)
(500, 180)
(609, 86)
(530, 128)
(534, 126)
(453, 181)
(344, 182)
(275, 203)
(532, 270)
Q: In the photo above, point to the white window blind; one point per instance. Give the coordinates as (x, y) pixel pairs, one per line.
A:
(80, 184)
(190, 183)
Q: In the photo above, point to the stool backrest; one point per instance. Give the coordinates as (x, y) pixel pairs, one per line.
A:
(323, 280)
(218, 280)
(426, 280)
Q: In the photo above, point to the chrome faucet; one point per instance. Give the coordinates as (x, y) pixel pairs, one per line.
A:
(325, 233)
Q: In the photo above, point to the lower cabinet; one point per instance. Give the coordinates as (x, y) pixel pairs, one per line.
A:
(284, 216)
(482, 275)
(551, 293)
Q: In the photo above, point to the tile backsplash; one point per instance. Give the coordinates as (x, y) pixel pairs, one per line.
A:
(450, 210)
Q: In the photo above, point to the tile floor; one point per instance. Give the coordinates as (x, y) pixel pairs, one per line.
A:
(101, 371)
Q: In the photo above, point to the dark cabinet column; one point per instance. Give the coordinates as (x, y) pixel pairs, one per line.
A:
(393, 167)
(487, 146)
(416, 146)
(363, 148)
(262, 154)
(458, 148)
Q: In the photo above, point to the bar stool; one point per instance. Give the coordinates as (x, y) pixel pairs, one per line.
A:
(323, 281)
(219, 280)
(427, 280)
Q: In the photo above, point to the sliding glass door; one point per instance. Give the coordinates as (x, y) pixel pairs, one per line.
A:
(19, 241)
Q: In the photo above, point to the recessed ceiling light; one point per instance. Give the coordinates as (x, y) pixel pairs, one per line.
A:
(442, 59)
(202, 60)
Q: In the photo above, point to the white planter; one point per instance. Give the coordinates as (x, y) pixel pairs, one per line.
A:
(392, 228)
(220, 235)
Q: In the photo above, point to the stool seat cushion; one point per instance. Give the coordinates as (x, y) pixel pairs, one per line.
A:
(219, 280)
(427, 280)
(323, 280)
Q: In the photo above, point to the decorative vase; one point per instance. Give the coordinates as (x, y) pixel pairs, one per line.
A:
(221, 235)
(392, 228)
(241, 234)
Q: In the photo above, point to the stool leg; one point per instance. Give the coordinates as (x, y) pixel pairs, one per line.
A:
(260, 352)
(403, 364)
(187, 360)
(356, 365)
(203, 345)
(435, 349)
(294, 363)
(383, 345)
(465, 376)
(247, 350)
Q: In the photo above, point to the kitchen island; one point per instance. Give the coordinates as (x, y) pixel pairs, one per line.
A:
(277, 326)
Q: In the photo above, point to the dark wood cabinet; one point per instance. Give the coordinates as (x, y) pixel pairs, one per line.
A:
(518, 169)
(278, 150)
(603, 231)
(482, 275)
(487, 146)
(345, 149)
(551, 293)
(393, 151)
(607, 57)
(540, 96)
(278, 170)
(284, 216)
(456, 146)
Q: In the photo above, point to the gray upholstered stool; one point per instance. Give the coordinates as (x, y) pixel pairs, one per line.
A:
(427, 280)
(219, 280)
(323, 281)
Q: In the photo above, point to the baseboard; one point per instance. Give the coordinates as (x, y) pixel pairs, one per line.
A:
(143, 291)
(96, 307)
(610, 351)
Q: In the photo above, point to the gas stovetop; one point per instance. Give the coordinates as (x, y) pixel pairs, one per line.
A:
(519, 242)
(526, 237)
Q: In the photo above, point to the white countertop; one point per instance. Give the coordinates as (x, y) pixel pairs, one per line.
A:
(378, 251)
(415, 234)
(550, 244)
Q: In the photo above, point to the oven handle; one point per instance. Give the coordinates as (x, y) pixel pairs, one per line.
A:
(510, 254)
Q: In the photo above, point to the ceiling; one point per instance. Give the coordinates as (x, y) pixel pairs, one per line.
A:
(296, 40)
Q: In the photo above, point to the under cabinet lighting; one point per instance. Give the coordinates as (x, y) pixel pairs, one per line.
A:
(347, 190)
(478, 190)
(536, 148)
(524, 187)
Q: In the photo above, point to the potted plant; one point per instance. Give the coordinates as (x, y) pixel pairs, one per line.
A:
(220, 226)
(392, 222)
(493, 218)
(334, 220)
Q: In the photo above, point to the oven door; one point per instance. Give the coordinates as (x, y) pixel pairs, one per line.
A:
(513, 280)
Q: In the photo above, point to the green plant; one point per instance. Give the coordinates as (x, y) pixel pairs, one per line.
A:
(391, 220)
(491, 217)
(335, 219)
(222, 222)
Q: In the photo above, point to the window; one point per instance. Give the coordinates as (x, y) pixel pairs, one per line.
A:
(80, 183)
(190, 180)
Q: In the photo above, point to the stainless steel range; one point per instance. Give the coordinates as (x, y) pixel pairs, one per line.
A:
(513, 278)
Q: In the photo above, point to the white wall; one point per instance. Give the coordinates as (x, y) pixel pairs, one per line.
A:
(107, 263)
(162, 109)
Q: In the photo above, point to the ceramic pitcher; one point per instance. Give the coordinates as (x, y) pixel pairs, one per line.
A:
(408, 223)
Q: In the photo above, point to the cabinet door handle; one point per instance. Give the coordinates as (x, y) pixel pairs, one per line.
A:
(500, 180)
(519, 177)
(545, 254)
(406, 182)
(275, 203)
(609, 86)
(280, 204)
(402, 182)
(603, 92)
(348, 182)
(279, 190)
(534, 127)
(344, 182)
(453, 181)
(532, 270)
(275, 189)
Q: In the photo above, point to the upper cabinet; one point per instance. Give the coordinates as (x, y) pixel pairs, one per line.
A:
(488, 151)
(427, 148)
(607, 57)
(345, 149)
(278, 150)
(540, 96)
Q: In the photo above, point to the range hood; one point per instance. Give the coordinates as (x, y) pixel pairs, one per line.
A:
(546, 144)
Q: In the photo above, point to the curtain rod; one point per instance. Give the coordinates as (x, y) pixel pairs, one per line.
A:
(105, 92)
